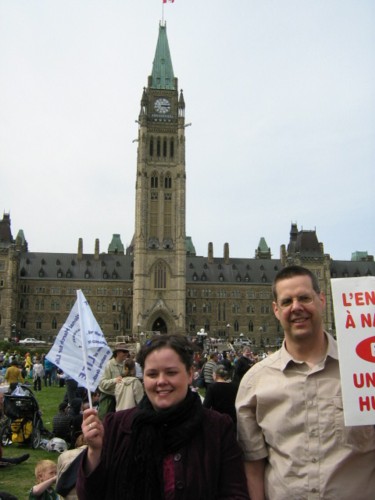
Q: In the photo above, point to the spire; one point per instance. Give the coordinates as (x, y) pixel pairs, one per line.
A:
(21, 241)
(190, 249)
(162, 70)
(181, 101)
(6, 238)
(293, 238)
(263, 251)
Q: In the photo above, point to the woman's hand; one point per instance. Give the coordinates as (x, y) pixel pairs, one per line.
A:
(93, 432)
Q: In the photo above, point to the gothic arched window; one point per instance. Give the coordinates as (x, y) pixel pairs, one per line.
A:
(160, 275)
(154, 180)
(168, 181)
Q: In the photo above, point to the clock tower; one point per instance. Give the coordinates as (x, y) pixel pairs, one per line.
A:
(159, 279)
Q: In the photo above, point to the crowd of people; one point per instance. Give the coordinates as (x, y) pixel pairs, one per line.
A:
(35, 370)
(174, 423)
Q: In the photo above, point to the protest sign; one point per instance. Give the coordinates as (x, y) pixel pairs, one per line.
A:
(80, 348)
(354, 307)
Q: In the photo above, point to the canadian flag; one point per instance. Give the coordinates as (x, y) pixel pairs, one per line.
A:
(165, 1)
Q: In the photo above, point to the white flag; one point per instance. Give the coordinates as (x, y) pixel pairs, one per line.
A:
(80, 348)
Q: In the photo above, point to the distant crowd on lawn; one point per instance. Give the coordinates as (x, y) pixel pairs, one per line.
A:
(36, 368)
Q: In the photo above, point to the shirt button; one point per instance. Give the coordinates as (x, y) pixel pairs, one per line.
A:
(314, 460)
(180, 485)
(177, 457)
(314, 490)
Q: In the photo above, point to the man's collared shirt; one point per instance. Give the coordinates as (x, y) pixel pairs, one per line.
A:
(293, 416)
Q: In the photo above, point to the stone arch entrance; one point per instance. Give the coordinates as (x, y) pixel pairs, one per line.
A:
(159, 325)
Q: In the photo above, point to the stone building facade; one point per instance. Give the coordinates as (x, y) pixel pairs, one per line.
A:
(158, 283)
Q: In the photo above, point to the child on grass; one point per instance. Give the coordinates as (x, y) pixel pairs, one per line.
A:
(45, 473)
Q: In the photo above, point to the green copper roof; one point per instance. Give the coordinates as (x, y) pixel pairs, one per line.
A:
(21, 237)
(263, 251)
(162, 70)
(116, 245)
(190, 248)
(263, 247)
(359, 255)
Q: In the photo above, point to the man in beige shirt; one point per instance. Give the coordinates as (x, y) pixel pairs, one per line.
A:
(112, 375)
(290, 412)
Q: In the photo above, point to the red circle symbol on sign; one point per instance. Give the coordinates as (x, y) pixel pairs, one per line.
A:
(366, 349)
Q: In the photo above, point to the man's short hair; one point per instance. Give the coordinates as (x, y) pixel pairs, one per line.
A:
(221, 371)
(291, 272)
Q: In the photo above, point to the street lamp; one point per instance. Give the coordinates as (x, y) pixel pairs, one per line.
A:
(142, 337)
(202, 335)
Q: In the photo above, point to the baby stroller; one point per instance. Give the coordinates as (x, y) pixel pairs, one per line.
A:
(23, 422)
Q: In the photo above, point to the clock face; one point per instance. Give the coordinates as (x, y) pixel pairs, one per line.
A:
(162, 105)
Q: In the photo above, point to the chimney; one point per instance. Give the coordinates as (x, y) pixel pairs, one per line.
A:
(283, 255)
(80, 249)
(226, 253)
(210, 253)
(96, 256)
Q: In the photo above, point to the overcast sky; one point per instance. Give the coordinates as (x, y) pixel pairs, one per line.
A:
(280, 94)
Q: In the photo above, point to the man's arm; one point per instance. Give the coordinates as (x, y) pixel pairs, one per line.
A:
(255, 478)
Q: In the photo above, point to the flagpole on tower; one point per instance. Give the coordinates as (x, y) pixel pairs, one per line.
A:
(162, 12)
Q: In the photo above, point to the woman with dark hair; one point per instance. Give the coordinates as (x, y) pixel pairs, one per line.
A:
(169, 447)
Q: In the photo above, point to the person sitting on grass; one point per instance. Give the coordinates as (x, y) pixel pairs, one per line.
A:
(74, 411)
(62, 423)
(7, 496)
(45, 473)
(67, 469)
(4, 462)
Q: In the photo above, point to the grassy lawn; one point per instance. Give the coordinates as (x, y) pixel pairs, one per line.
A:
(18, 479)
